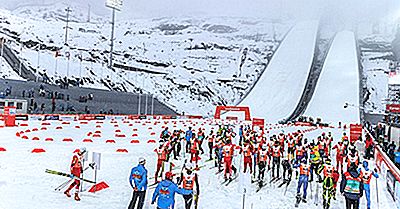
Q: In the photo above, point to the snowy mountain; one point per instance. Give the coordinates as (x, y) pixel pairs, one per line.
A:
(192, 64)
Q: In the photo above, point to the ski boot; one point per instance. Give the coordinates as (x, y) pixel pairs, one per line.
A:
(67, 193)
(77, 197)
(304, 200)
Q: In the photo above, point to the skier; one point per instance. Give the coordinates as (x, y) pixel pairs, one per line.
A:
(228, 151)
(351, 187)
(195, 150)
(165, 193)
(210, 139)
(201, 136)
(139, 178)
(352, 158)
(369, 145)
(291, 147)
(247, 153)
(303, 180)
(188, 180)
(366, 175)
(241, 135)
(165, 134)
(339, 155)
(299, 155)
(328, 183)
(76, 170)
(161, 158)
(262, 157)
(276, 158)
(188, 136)
(287, 169)
(315, 162)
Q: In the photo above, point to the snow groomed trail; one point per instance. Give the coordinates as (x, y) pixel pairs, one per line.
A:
(338, 83)
(278, 91)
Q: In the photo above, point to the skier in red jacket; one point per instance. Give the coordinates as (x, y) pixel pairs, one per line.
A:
(76, 170)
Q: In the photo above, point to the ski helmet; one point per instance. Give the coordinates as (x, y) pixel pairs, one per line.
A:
(142, 160)
(82, 150)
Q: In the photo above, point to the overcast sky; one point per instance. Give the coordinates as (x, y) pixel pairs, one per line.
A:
(344, 9)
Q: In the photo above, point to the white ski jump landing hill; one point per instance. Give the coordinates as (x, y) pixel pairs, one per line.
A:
(338, 83)
(279, 89)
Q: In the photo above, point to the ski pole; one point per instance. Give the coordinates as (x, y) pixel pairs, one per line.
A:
(63, 185)
(244, 197)
(377, 192)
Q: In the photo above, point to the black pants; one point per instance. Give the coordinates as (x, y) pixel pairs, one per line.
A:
(210, 147)
(188, 145)
(135, 196)
(261, 170)
(276, 162)
(188, 200)
(352, 204)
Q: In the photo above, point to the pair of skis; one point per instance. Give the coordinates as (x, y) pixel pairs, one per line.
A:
(68, 175)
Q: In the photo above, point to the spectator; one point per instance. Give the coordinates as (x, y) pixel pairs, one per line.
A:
(23, 93)
(391, 149)
(90, 96)
(35, 106)
(87, 111)
(42, 107)
(53, 105)
(110, 112)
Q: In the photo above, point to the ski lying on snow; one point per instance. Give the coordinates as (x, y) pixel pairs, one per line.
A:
(230, 180)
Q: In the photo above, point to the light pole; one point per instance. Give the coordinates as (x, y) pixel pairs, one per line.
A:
(114, 5)
(68, 10)
(152, 104)
(38, 62)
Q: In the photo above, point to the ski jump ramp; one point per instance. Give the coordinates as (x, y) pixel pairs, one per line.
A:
(280, 87)
(338, 83)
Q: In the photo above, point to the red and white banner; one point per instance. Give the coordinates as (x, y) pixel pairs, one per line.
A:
(355, 132)
(393, 108)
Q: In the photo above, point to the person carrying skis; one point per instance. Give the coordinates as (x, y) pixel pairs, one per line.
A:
(161, 158)
(366, 175)
(303, 179)
(138, 182)
(328, 183)
(340, 149)
(276, 158)
(247, 151)
(352, 187)
(76, 170)
(189, 180)
(228, 151)
(165, 193)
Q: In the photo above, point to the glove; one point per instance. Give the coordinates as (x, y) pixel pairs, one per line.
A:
(152, 202)
(135, 188)
(376, 170)
(92, 165)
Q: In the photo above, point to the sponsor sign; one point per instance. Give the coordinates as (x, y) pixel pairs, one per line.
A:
(393, 108)
(21, 117)
(51, 117)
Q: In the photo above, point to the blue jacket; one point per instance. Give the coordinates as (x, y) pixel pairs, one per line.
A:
(189, 135)
(139, 177)
(165, 191)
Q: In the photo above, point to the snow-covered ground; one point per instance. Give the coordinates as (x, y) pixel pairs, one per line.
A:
(338, 83)
(279, 89)
(192, 64)
(24, 184)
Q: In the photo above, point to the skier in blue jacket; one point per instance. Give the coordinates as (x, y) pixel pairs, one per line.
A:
(188, 137)
(165, 192)
(366, 175)
(138, 182)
